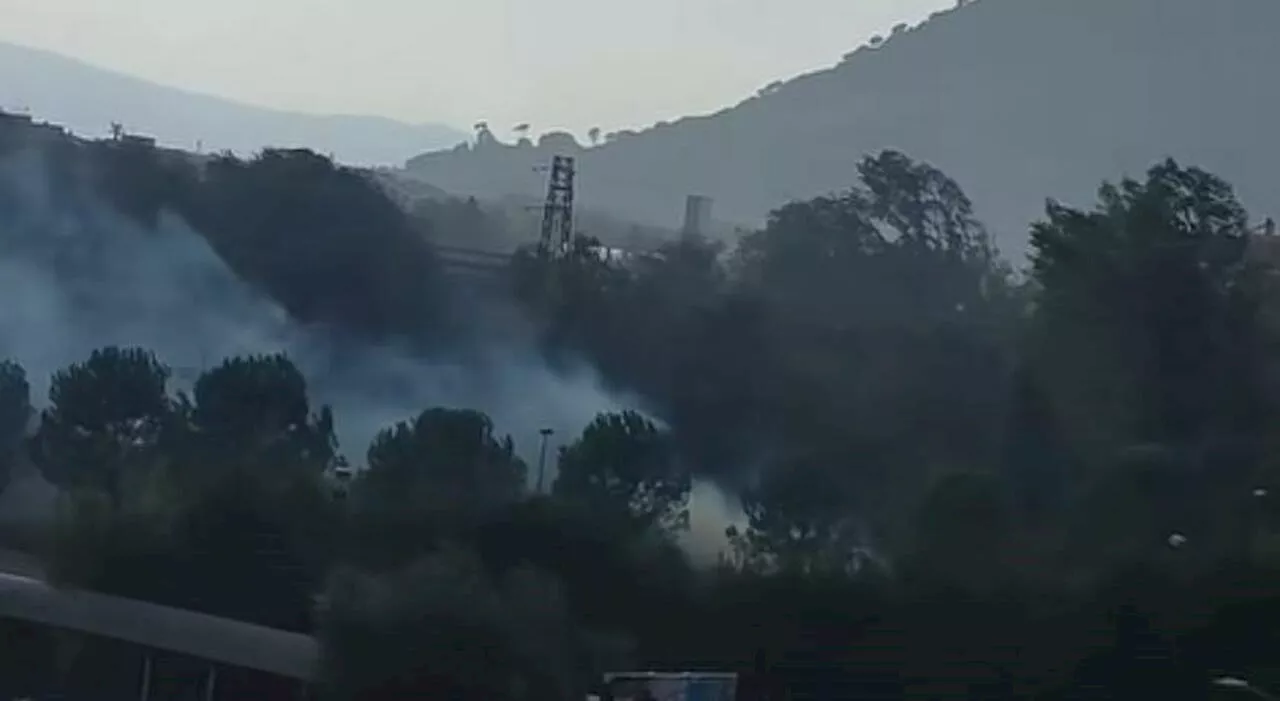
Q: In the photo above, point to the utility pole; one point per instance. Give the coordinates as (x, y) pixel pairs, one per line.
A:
(542, 457)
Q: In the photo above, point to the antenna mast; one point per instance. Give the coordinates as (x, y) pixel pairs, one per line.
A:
(557, 211)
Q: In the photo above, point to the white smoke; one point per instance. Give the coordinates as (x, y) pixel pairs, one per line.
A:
(76, 275)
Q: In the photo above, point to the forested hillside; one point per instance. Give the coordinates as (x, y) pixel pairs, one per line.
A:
(953, 481)
(932, 475)
(1015, 99)
(280, 221)
(115, 241)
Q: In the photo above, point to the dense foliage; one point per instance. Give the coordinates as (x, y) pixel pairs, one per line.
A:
(955, 480)
(15, 412)
(324, 241)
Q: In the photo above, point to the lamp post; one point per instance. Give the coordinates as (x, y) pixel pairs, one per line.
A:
(542, 456)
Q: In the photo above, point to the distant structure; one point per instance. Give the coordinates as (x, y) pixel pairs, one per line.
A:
(1264, 245)
(557, 212)
(697, 216)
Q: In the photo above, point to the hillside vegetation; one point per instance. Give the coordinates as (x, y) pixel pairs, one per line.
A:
(323, 241)
(1015, 99)
(953, 484)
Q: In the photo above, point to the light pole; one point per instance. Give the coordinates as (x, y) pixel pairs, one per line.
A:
(542, 456)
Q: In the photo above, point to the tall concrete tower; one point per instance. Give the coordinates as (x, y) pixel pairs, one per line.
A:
(697, 216)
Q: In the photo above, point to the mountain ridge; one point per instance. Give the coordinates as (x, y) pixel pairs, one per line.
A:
(1018, 100)
(86, 99)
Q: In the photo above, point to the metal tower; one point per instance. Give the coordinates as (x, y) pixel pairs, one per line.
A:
(557, 212)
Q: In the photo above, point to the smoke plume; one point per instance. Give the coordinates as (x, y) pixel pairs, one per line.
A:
(76, 275)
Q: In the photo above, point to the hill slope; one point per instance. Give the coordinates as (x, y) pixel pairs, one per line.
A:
(1017, 99)
(108, 243)
(87, 99)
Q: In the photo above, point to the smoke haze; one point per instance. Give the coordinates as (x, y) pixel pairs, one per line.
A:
(79, 276)
(76, 275)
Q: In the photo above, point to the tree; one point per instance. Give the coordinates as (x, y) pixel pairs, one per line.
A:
(886, 326)
(613, 577)
(106, 416)
(444, 627)
(326, 242)
(654, 310)
(251, 548)
(15, 414)
(573, 295)
(963, 529)
(624, 465)
(447, 463)
(255, 412)
(1147, 328)
(484, 137)
(720, 391)
(799, 522)
(593, 135)
(813, 259)
(240, 546)
(239, 525)
(925, 208)
(847, 258)
(770, 89)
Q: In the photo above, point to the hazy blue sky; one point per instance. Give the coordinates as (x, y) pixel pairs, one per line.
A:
(554, 63)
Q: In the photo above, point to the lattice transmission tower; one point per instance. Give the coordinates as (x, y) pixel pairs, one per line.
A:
(557, 211)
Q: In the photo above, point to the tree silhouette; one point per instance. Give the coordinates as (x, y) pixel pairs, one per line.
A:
(935, 459)
(963, 529)
(444, 626)
(444, 462)
(484, 137)
(15, 414)
(798, 521)
(1148, 329)
(106, 416)
(255, 411)
(325, 241)
(623, 465)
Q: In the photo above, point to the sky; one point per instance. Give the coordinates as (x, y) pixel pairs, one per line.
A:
(569, 64)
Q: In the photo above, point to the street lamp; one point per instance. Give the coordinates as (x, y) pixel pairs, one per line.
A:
(542, 456)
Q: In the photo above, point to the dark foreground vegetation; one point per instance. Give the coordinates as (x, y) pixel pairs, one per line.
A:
(958, 481)
(324, 242)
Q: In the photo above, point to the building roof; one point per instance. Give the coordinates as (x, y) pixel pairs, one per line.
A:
(222, 640)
